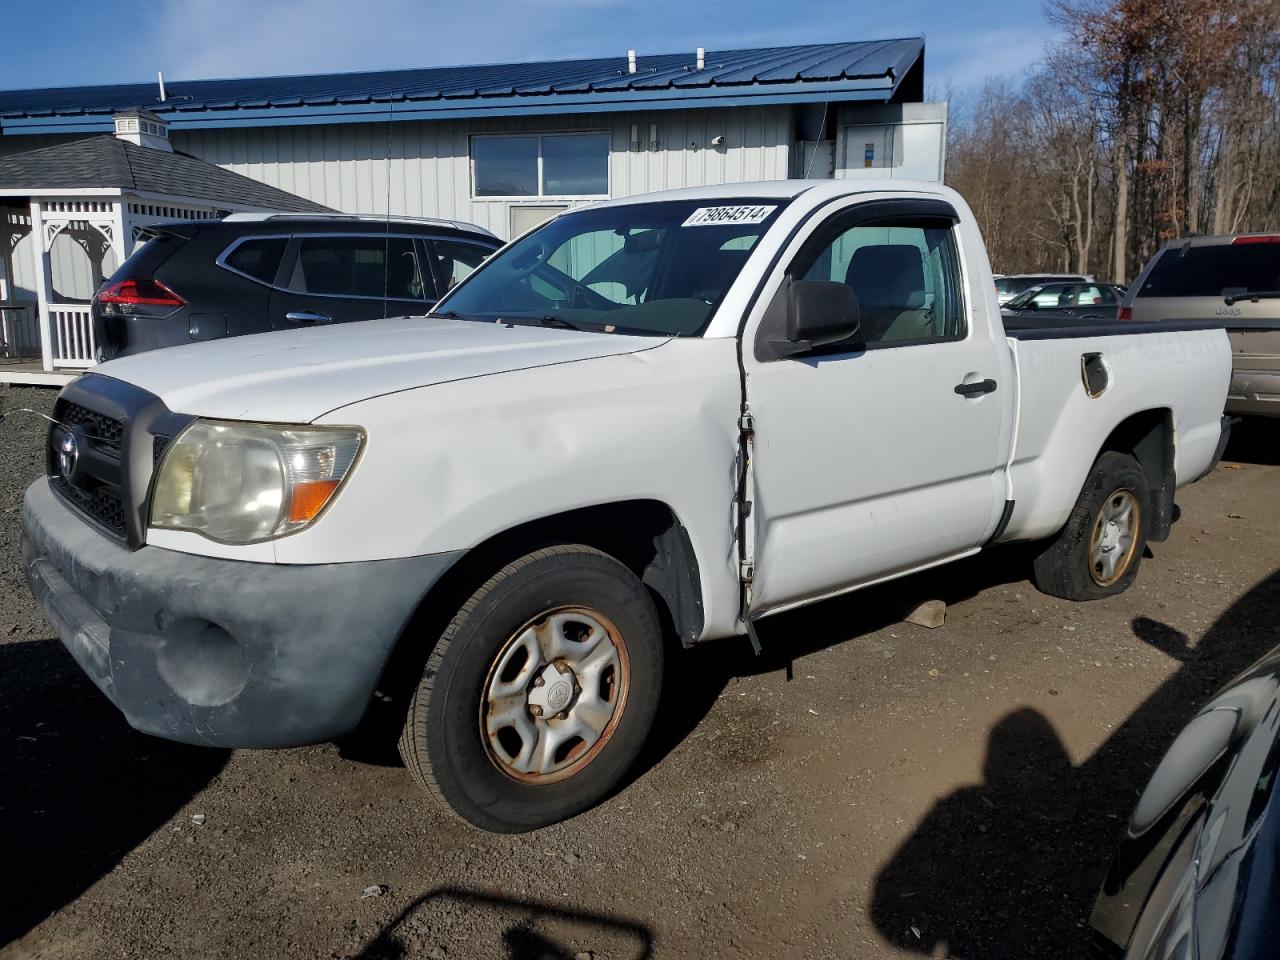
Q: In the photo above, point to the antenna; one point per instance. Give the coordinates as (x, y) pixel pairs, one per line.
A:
(160, 78)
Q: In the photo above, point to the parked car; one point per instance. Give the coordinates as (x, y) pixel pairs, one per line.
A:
(247, 273)
(1049, 302)
(241, 541)
(1195, 875)
(1009, 285)
(1235, 279)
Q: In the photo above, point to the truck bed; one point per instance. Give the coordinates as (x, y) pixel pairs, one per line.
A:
(1056, 417)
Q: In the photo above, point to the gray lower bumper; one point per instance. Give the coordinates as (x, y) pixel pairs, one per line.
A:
(220, 652)
(1254, 393)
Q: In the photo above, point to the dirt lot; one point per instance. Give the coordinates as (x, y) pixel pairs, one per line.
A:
(866, 789)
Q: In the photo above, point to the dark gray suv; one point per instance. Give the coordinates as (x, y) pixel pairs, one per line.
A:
(252, 273)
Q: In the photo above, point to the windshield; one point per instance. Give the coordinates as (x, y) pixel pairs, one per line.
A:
(659, 269)
(1022, 299)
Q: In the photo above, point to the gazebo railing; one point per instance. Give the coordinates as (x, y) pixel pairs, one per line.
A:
(18, 330)
(71, 330)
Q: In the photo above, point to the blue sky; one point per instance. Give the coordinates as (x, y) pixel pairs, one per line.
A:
(65, 42)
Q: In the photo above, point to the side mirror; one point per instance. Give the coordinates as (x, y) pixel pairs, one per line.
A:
(1031, 305)
(820, 313)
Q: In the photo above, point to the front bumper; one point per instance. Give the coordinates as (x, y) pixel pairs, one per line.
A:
(220, 652)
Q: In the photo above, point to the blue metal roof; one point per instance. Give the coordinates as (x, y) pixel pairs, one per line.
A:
(868, 70)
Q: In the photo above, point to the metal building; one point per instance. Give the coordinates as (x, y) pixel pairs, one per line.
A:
(505, 145)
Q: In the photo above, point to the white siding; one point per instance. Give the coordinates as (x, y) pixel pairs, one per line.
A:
(73, 273)
(423, 168)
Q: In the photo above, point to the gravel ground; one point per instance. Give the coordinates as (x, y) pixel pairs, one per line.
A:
(868, 788)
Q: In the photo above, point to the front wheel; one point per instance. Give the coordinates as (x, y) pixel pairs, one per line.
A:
(540, 694)
(1098, 552)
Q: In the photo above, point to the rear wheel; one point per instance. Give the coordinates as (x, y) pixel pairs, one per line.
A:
(540, 694)
(1098, 552)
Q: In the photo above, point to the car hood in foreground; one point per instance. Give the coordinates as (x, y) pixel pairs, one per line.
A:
(1199, 858)
(296, 376)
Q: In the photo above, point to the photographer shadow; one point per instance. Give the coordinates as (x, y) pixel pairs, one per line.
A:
(78, 788)
(1010, 868)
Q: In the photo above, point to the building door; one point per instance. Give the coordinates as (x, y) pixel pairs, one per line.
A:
(524, 217)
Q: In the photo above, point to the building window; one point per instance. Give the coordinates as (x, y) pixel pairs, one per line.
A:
(547, 165)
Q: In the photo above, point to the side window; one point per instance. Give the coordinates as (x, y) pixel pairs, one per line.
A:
(455, 260)
(259, 259)
(1092, 296)
(359, 266)
(1053, 297)
(906, 277)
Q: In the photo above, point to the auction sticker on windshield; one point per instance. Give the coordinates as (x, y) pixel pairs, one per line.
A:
(716, 216)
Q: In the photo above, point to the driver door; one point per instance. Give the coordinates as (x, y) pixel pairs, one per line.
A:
(884, 453)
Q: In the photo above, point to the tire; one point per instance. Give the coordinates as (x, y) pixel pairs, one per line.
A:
(1077, 564)
(599, 625)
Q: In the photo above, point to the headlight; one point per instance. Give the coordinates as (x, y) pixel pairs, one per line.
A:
(245, 482)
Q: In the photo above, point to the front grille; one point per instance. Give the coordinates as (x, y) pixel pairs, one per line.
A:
(115, 435)
(158, 446)
(102, 505)
(95, 486)
(97, 426)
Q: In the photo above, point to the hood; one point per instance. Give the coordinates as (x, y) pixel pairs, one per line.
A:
(295, 376)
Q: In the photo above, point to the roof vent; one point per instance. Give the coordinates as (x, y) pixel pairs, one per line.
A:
(631, 61)
(702, 58)
(142, 127)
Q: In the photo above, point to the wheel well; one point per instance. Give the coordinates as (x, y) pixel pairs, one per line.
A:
(1148, 438)
(645, 535)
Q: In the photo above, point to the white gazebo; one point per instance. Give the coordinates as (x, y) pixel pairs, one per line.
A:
(70, 214)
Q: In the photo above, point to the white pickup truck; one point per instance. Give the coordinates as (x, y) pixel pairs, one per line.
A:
(664, 415)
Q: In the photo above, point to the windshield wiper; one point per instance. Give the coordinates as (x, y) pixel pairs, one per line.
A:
(1255, 297)
(448, 315)
(560, 323)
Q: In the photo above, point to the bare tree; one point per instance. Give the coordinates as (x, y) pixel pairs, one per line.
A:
(1160, 118)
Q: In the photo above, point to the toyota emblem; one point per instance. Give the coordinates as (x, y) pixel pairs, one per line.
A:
(68, 456)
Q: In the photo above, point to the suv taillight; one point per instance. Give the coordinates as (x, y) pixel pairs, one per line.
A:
(1126, 313)
(128, 297)
(1242, 240)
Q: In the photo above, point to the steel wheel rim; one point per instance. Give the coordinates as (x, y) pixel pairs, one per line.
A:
(1114, 538)
(543, 732)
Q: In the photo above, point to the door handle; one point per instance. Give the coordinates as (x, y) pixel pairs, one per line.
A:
(307, 316)
(975, 388)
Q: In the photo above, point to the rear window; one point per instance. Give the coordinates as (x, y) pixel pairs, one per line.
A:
(1012, 285)
(1206, 271)
(259, 259)
(146, 259)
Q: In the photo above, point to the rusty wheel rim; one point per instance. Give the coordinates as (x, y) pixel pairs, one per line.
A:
(554, 694)
(1114, 538)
